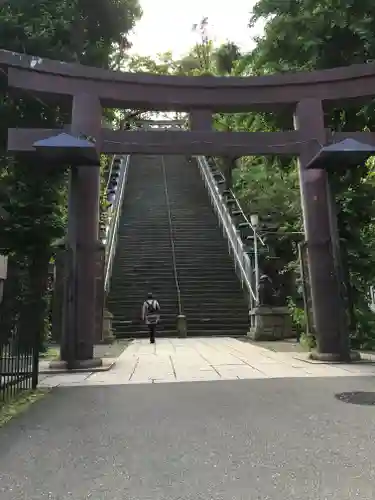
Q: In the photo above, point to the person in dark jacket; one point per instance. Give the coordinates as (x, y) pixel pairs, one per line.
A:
(151, 315)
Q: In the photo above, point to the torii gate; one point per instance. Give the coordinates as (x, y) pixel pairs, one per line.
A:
(160, 124)
(88, 89)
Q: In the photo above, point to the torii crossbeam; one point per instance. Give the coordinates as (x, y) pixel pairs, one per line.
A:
(305, 95)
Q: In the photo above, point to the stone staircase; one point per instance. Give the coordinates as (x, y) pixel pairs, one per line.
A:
(211, 295)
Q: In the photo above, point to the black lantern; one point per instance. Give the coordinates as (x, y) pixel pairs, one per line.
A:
(67, 149)
(344, 154)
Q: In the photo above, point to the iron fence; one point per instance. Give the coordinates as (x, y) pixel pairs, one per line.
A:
(19, 347)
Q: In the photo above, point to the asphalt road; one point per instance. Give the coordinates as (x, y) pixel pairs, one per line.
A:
(281, 439)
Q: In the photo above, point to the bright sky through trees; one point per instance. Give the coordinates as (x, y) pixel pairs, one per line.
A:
(167, 25)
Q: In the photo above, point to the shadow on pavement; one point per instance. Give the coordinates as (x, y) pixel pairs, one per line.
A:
(357, 398)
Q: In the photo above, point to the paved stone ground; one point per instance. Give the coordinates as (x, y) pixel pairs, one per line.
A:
(183, 360)
(287, 345)
(270, 439)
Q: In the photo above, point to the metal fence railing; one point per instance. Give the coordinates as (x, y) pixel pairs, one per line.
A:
(114, 220)
(242, 261)
(19, 341)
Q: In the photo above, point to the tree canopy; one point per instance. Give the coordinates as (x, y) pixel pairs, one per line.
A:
(307, 35)
(81, 31)
(299, 35)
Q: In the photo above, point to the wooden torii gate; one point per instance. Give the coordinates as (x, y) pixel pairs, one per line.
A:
(160, 124)
(87, 90)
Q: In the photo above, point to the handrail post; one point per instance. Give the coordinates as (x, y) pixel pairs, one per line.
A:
(181, 318)
(256, 265)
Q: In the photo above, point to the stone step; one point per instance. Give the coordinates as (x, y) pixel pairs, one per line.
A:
(201, 295)
(182, 271)
(143, 261)
(223, 302)
(197, 290)
(197, 314)
(172, 333)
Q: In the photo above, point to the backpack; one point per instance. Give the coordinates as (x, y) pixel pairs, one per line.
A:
(152, 306)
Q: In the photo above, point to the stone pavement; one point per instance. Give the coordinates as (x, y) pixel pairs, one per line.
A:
(204, 359)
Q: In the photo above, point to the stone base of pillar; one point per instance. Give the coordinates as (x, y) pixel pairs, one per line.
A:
(181, 326)
(78, 364)
(107, 332)
(270, 323)
(327, 357)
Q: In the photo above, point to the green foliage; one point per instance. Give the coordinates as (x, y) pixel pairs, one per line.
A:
(20, 404)
(314, 34)
(163, 64)
(226, 56)
(35, 196)
(306, 35)
(76, 30)
(298, 318)
(301, 35)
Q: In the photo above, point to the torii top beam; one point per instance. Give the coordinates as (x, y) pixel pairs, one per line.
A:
(179, 93)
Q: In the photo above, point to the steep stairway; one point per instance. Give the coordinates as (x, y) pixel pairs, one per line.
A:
(143, 261)
(212, 298)
(211, 295)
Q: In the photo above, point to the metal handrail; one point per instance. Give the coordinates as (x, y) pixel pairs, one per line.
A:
(110, 209)
(239, 208)
(241, 259)
(111, 232)
(114, 219)
(171, 236)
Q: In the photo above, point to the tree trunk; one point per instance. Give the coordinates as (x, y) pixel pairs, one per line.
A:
(34, 310)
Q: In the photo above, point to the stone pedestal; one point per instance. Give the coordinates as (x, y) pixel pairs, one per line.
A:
(270, 323)
(107, 333)
(181, 326)
(79, 364)
(335, 358)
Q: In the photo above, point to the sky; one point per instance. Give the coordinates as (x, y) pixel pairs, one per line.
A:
(167, 25)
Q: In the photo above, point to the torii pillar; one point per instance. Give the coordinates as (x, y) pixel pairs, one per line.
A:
(327, 302)
(230, 163)
(200, 120)
(83, 237)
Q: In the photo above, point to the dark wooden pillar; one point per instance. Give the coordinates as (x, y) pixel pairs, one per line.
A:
(80, 302)
(58, 295)
(328, 306)
(100, 296)
(229, 166)
(200, 120)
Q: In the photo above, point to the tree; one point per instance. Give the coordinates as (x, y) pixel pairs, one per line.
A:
(299, 35)
(203, 49)
(162, 64)
(306, 35)
(80, 31)
(226, 56)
